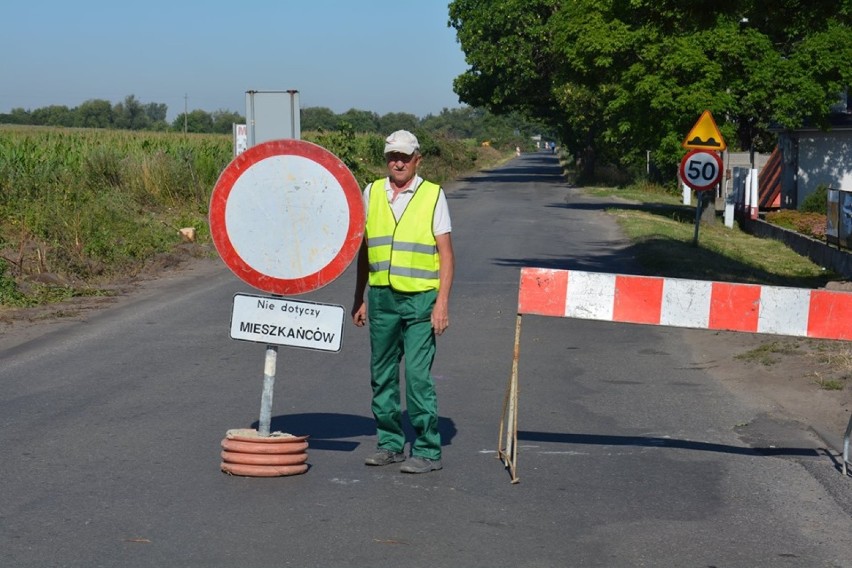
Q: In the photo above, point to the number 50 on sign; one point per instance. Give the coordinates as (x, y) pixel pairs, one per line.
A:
(701, 169)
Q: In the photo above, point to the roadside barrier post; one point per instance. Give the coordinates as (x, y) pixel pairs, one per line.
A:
(509, 420)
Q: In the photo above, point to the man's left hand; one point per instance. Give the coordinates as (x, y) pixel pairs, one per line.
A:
(440, 318)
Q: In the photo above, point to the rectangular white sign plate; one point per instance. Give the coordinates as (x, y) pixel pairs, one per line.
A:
(282, 321)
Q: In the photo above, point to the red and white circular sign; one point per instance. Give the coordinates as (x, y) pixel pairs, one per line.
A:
(701, 169)
(287, 216)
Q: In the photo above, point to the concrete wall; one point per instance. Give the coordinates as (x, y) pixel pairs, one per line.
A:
(820, 253)
(743, 159)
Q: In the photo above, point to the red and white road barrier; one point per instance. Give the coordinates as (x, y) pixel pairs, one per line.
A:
(674, 302)
(797, 312)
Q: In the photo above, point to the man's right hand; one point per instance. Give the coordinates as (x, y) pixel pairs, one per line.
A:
(359, 314)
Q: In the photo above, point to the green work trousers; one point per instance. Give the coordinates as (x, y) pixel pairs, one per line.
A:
(401, 326)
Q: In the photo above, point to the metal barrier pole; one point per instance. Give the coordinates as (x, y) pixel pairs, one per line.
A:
(846, 445)
(509, 419)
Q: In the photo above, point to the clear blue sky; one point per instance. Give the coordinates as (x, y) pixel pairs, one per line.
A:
(376, 55)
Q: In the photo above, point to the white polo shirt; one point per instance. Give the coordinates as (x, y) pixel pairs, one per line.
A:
(441, 222)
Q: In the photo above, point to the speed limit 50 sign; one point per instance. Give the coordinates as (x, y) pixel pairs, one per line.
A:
(701, 169)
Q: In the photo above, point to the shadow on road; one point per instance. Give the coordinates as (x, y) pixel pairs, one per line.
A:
(621, 261)
(329, 431)
(655, 442)
(538, 168)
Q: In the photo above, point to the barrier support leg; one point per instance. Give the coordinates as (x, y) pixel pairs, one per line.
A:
(846, 445)
(509, 419)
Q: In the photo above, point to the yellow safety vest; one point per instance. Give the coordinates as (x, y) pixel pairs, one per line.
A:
(403, 254)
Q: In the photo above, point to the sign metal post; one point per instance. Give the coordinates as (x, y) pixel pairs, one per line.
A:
(701, 170)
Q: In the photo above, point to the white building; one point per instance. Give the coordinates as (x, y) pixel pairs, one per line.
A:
(812, 157)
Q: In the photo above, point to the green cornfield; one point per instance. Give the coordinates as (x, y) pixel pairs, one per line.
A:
(81, 207)
(81, 204)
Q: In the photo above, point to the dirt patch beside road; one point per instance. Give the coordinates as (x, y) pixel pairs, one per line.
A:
(20, 325)
(802, 380)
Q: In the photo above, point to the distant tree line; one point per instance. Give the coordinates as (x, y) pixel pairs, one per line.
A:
(132, 114)
(129, 114)
(464, 123)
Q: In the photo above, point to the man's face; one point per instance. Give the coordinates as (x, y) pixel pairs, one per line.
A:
(402, 167)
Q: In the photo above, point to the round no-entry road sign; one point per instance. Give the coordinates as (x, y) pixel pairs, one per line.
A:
(701, 169)
(287, 216)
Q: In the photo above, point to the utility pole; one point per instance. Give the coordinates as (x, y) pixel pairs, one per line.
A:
(184, 113)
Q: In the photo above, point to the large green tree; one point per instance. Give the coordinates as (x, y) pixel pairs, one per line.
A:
(94, 113)
(224, 120)
(361, 120)
(618, 78)
(53, 115)
(130, 114)
(393, 121)
(196, 121)
(319, 118)
(17, 116)
(156, 112)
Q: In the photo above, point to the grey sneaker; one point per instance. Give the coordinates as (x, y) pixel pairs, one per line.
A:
(384, 457)
(420, 465)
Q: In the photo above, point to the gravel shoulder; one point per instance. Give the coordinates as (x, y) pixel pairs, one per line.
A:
(21, 325)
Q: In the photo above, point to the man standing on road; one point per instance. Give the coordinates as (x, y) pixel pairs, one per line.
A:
(407, 257)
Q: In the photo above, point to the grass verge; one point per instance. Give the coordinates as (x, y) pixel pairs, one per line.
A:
(662, 232)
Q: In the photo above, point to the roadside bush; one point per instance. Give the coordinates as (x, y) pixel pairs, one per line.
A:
(816, 202)
(444, 158)
(810, 224)
(102, 167)
(9, 294)
(429, 146)
(346, 145)
(160, 179)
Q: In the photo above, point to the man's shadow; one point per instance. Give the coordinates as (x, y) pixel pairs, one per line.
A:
(330, 431)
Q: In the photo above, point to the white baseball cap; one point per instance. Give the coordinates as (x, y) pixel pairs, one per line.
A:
(401, 141)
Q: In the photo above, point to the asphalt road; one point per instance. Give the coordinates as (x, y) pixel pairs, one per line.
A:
(629, 451)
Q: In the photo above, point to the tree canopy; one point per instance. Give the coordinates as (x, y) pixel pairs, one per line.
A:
(618, 78)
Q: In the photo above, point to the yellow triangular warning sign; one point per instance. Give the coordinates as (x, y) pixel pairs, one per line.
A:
(705, 135)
